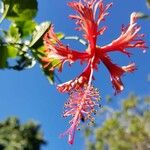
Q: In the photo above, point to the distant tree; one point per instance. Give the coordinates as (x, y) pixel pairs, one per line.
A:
(16, 136)
(127, 129)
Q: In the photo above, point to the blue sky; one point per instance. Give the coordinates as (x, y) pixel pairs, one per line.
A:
(28, 94)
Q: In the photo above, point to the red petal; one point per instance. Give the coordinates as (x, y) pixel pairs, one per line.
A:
(116, 72)
(87, 20)
(56, 50)
(129, 38)
(76, 83)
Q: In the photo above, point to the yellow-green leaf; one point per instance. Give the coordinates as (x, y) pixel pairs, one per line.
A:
(37, 37)
(6, 52)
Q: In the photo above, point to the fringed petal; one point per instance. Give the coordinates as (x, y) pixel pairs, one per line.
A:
(129, 38)
(116, 72)
(57, 53)
(87, 20)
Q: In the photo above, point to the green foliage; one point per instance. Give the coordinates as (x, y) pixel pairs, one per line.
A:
(38, 50)
(12, 35)
(8, 49)
(26, 28)
(60, 35)
(16, 136)
(127, 129)
(130, 103)
(20, 10)
(6, 52)
(14, 41)
(23, 41)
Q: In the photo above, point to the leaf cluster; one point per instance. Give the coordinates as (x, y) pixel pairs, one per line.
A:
(21, 45)
(17, 136)
(126, 129)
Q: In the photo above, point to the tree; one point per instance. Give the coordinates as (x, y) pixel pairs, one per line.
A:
(17, 136)
(126, 129)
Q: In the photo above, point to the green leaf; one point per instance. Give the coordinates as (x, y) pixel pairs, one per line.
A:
(49, 75)
(148, 4)
(11, 51)
(37, 37)
(6, 52)
(37, 47)
(26, 28)
(3, 57)
(21, 10)
(38, 54)
(55, 63)
(12, 35)
(26, 136)
(60, 35)
(6, 8)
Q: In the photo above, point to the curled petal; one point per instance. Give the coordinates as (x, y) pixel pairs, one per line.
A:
(129, 38)
(116, 72)
(129, 68)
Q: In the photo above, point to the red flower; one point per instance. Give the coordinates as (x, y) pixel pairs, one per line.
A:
(83, 96)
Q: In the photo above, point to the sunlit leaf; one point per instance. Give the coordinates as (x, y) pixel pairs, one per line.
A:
(37, 37)
(26, 28)
(8, 51)
(60, 35)
(12, 35)
(11, 51)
